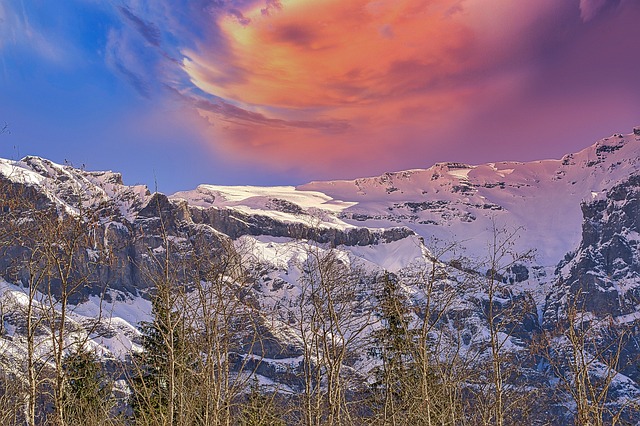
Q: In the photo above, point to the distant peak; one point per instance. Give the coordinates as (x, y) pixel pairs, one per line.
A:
(31, 159)
(453, 165)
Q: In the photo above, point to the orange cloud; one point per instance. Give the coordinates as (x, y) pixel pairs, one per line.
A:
(319, 81)
(332, 53)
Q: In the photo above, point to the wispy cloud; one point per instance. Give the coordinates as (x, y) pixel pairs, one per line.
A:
(226, 111)
(119, 55)
(353, 84)
(378, 68)
(149, 31)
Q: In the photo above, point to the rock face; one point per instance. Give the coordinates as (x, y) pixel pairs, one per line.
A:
(134, 223)
(127, 222)
(235, 224)
(603, 275)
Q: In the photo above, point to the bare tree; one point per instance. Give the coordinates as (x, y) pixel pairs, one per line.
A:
(24, 262)
(584, 352)
(500, 401)
(11, 402)
(158, 369)
(439, 361)
(422, 373)
(224, 326)
(198, 357)
(52, 249)
(71, 253)
(331, 316)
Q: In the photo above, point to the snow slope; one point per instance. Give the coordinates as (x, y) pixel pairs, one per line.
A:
(453, 201)
(460, 202)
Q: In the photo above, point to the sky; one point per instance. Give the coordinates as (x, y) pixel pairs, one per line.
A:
(174, 93)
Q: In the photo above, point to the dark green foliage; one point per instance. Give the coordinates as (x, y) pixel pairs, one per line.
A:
(164, 358)
(409, 386)
(87, 391)
(260, 409)
(392, 345)
(149, 383)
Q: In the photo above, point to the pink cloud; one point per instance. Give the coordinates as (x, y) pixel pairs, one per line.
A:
(318, 84)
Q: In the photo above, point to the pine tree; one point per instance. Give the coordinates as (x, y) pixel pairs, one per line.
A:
(392, 346)
(87, 393)
(149, 397)
(409, 386)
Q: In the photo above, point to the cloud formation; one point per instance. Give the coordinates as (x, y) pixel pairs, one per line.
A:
(394, 71)
(150, 32)
(335, 88)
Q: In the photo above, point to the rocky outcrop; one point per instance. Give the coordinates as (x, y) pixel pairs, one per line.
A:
(236, 224)
(600, 277)
(132, 227)
(603, 276)
(123, 245)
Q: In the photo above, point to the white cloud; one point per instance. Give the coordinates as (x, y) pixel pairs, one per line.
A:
(590, 8)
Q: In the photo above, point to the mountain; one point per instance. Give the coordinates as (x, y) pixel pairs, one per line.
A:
(537, 238)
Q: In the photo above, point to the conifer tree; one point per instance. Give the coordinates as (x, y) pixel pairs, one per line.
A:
(259, 408)
(87, 395)
(392, 347)
(150, 397)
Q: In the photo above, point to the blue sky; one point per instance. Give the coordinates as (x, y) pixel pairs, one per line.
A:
(286, 91)
(70, 93)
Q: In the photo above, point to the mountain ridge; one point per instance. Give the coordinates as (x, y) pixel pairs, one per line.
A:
(580, 212)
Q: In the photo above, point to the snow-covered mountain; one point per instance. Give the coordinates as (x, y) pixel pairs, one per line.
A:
(448, 202)
(452, 201)
(581, 215)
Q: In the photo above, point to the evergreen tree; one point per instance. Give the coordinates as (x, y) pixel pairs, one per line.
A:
(150, 391)
(409, 386)
(259, 409)
(87, 393)
(392, 346)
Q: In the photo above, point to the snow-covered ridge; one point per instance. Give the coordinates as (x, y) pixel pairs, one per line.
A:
(267, 227)
(71, 188)
(453, 201)
(448, 201)
(283, 203)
